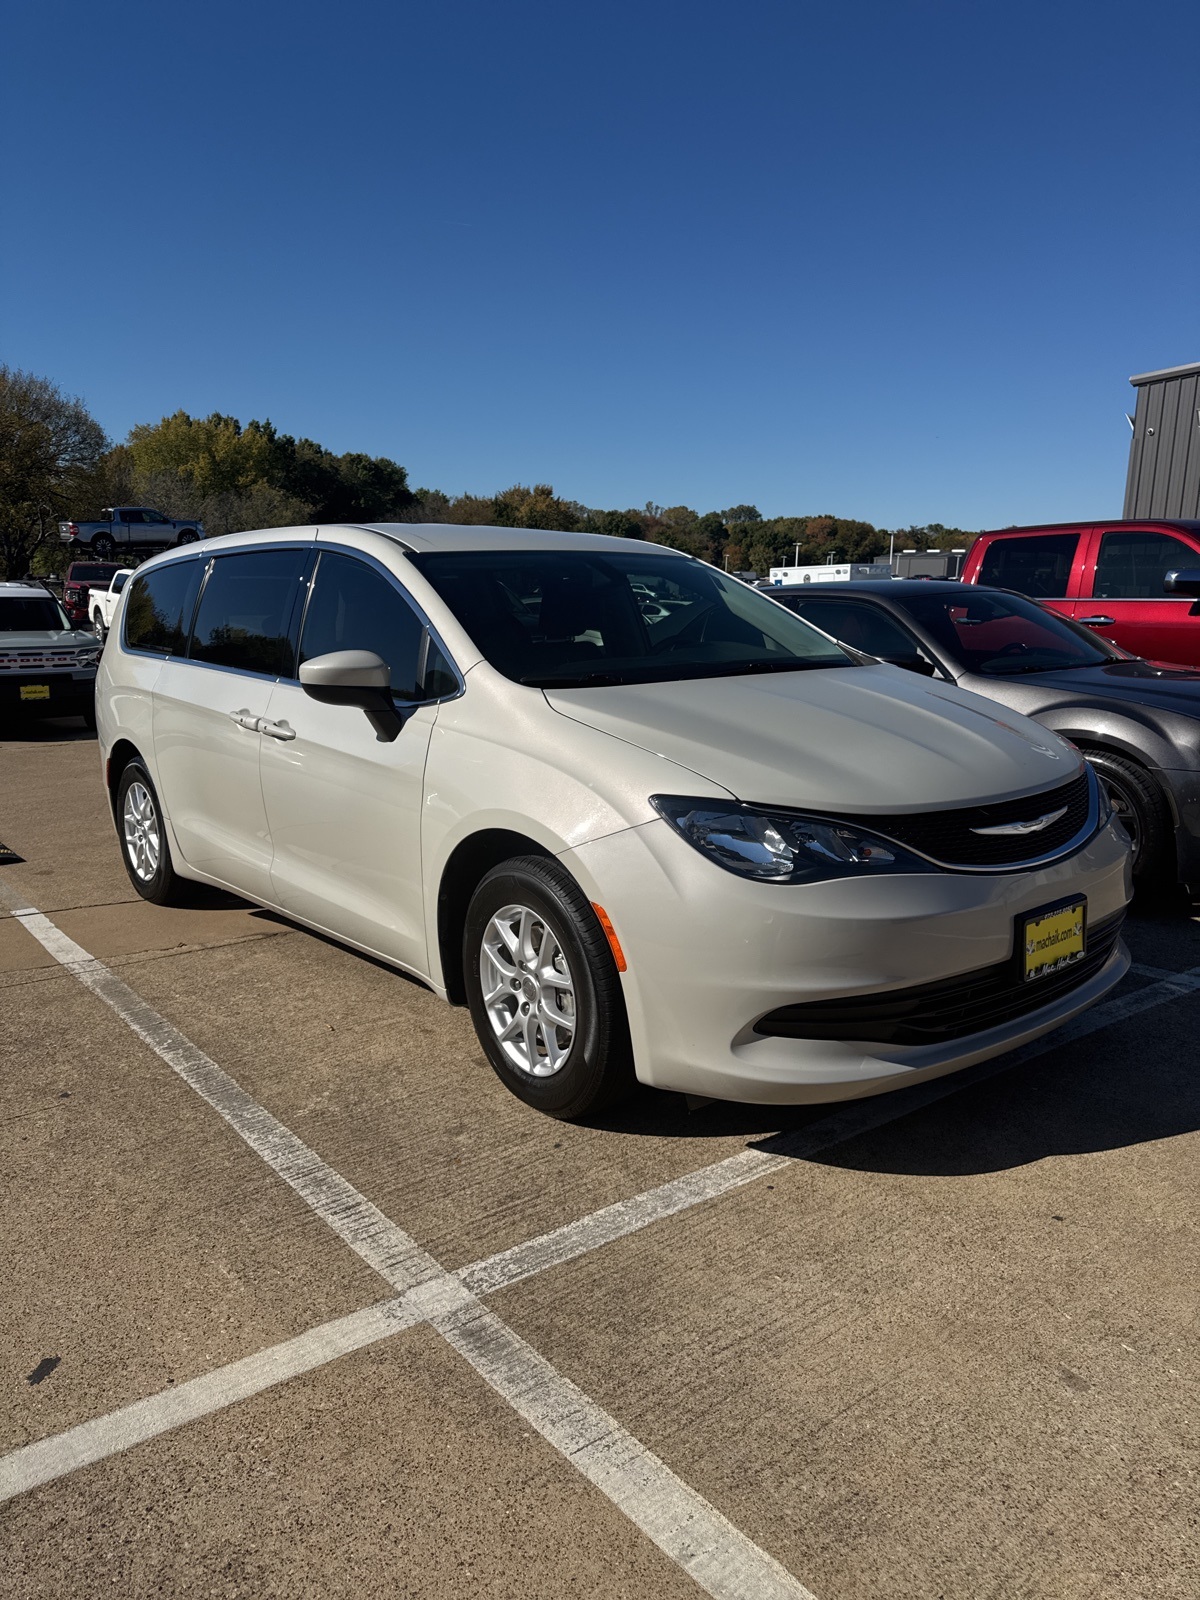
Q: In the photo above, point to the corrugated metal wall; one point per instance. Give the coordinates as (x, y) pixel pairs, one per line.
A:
(1164, 454)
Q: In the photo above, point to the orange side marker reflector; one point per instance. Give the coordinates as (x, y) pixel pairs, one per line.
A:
(610, 933)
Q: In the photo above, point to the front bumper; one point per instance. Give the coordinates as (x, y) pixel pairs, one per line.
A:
(70, 693)
(710, 954)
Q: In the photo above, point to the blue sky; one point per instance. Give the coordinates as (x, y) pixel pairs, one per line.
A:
(894, 261)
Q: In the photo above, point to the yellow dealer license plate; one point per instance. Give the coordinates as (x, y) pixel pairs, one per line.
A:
(1054, 939)
(35, 691)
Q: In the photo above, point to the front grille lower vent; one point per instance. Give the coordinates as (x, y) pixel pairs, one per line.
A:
(932, 1013)
(947, 836)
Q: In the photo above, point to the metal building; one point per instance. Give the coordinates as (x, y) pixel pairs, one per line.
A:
(1164, 455)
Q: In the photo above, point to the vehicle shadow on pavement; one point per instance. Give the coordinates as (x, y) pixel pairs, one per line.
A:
(46, 730)
(1131, 1083)
(1097, 1094)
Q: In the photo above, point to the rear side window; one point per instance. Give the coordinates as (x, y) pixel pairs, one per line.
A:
(159, 607)
(1133, 563)
(1038, 565)
(354, 608)
(245, 615)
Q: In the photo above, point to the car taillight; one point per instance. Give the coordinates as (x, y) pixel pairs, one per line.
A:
(72, 527)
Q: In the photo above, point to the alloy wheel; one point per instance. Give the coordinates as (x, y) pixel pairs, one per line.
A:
(528, 991)
(139, 821)
(1127, 813)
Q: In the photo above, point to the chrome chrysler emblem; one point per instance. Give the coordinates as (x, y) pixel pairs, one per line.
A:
(1034, 826)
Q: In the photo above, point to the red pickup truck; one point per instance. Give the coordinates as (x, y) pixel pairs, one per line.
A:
(81, 578)
(1107, 575)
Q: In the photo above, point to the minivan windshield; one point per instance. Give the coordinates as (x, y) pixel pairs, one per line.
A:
(568, 619)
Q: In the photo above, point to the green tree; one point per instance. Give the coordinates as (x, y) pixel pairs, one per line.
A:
(616, 524)
(536, 507)
(232, 477)
(50, 448)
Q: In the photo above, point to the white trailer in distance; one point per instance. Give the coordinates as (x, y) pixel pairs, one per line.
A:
(785, 577)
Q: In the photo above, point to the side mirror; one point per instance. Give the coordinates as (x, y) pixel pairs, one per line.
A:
(1186, 581)
(355, 678)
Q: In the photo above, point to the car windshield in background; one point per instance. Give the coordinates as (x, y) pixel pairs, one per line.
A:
(37, 614)
(1001, 635)
(93, 571)
(562, 619)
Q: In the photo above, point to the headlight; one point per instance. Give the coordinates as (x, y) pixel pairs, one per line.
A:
(782, 846)
(87, 658)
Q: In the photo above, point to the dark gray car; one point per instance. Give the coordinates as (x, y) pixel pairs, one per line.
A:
(1137, 722)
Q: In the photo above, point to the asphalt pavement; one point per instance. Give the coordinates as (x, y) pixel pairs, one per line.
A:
(298, 1301)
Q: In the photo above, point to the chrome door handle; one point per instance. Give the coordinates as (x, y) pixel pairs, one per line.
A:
(1097, 622)
(245, 720)
(276, 730)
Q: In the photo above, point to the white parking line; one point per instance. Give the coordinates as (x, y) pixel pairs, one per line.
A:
(847, 1121)
(685, 1527)
(693, 1533)
(37, 1463)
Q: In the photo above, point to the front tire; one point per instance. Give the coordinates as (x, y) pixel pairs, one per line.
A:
(188, 536)
(544, 991)
(144, 848)
(1142, 810)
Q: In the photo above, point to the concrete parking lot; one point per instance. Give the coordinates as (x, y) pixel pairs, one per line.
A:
(299, 1301)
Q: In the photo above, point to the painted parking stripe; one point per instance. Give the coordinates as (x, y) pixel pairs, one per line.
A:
(848, 1121)
(108, 1435)
(51, 1458)
(722, 1560)
(715, 1553)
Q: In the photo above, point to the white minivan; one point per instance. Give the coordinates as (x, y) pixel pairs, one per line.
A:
(640, 818)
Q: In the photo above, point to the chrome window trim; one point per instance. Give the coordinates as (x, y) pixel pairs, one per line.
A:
(313, 548)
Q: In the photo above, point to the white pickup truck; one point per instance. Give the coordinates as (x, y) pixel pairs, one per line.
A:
(102, 603)
(127, 528)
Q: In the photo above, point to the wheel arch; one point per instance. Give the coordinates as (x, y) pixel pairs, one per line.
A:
(121, 754)
(470, 860)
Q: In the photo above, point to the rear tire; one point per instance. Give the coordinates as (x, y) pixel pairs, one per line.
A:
(560, 1046)
(1142, 810)
(144, 847)
(103, 547)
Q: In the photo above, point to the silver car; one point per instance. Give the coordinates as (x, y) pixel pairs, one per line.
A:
(698, 843)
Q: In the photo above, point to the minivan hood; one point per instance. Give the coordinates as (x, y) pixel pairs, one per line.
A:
(846, 739)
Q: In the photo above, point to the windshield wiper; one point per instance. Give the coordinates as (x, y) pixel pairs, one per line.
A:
(578, 680)
(1061, 666)
(737, 669)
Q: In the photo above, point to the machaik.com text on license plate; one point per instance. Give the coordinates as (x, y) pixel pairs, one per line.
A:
(1054, 939)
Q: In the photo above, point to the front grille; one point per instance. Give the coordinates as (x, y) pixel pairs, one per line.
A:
(35, 660)
(947, 836)
(934, 1012)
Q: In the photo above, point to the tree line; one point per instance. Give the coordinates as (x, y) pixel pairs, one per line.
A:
(56, 463)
